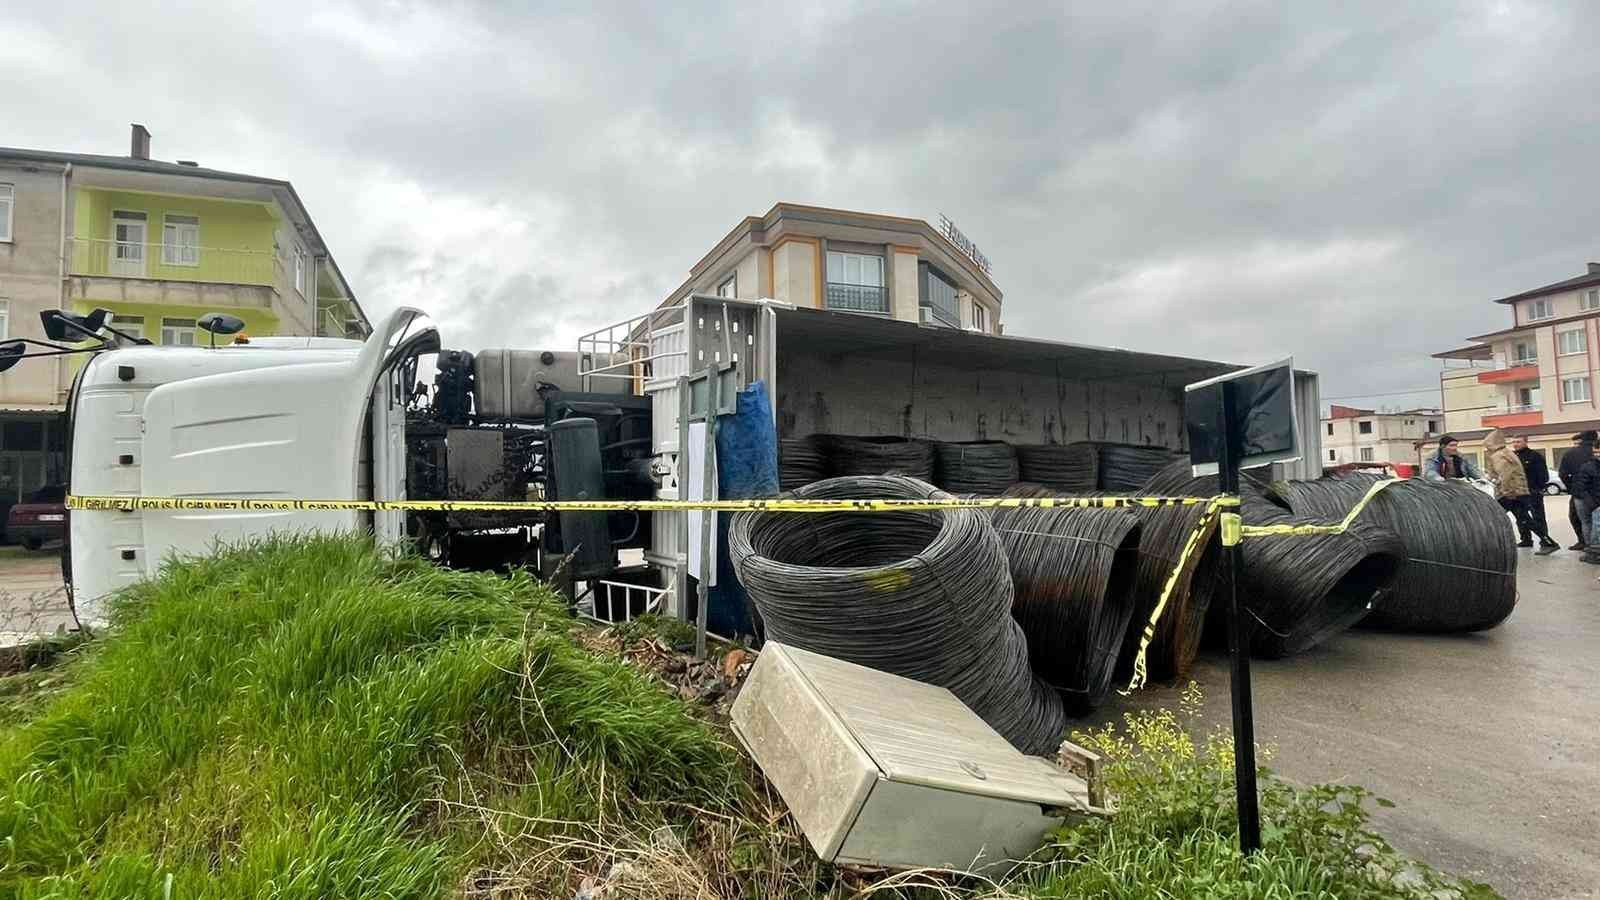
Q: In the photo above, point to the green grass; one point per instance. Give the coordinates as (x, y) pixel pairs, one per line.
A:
(305, 719)
(311, 718)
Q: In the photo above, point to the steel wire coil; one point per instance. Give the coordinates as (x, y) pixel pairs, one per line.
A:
(1128, 467)
(1068, 468)
(1460, 571)
(985, 468)
(1179, 631)
(800, 462)
(852, 455)
(925, 595)
(1073, 573)
(1299, 589)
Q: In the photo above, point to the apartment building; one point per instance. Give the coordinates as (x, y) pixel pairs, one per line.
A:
(1351, 435)
(159, 244)
(856, 262)
(1535, 378)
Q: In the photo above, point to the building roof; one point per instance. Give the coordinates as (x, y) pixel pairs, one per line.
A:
(1335, 411)
(1541, 430)
(1471, 351)
(1587, 279)
(1529, 326)
(161, 167)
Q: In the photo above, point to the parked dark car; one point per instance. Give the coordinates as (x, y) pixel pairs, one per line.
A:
(40, 519)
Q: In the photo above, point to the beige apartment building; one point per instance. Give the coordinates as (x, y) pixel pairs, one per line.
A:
(158, 244)
(1351, 435)
(1535, 378)
(855, 262)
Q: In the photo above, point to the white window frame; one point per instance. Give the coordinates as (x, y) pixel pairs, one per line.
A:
(1541, 309)
(980, 317)
(729, 288)
(1583, 395)
(860, 261)
(300, 271)
(8, 200)
(1528, 398)
(172, 325)
(1589, 299)
(131, 325)
(5, 318)
(175, 251)
(1578, 347)
(1532, 355)
(1367, 455)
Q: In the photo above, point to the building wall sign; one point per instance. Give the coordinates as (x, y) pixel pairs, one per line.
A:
(963, 243)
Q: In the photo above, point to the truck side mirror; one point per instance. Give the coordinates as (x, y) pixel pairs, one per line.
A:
(60, 325)
(11, 353)
(220, 323)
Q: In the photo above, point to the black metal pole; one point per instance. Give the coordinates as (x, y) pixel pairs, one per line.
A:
(1244, 728)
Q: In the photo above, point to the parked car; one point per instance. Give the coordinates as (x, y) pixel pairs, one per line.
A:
(40, 519)
(1556, 485)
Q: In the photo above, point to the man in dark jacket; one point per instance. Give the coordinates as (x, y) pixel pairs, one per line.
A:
(1533, 466)
(1579, 509)
(1587, 486)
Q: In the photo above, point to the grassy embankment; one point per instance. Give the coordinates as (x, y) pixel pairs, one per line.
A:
(311, 719)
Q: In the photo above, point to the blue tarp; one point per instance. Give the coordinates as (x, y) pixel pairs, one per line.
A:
(747, 468)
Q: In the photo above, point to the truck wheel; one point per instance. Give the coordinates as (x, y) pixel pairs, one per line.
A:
(33, 543)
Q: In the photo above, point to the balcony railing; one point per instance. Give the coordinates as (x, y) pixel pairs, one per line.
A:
(172, 262)
(862, 298)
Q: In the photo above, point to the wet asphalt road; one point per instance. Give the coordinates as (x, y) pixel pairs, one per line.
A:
(1489, 743)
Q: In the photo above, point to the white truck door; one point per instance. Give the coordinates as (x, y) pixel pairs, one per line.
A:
(388, 437)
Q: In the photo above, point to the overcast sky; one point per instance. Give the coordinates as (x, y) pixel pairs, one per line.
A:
(1234, 181)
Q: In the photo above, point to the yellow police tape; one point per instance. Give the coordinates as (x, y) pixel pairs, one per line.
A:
(1233, 530)
(777, 504)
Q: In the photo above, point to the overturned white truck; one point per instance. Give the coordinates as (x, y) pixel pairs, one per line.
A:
(318, 419)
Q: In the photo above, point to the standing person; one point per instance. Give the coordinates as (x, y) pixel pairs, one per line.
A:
(1511, 488)
(1579, 509)
(1587, 488)
(1533, 466)
(1447, 462)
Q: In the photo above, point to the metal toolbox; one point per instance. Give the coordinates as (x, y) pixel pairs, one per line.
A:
(880, 770)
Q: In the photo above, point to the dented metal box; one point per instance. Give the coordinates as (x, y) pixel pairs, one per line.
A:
(881, 770)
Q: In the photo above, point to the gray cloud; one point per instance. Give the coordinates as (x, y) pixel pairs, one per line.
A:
(1349, 183)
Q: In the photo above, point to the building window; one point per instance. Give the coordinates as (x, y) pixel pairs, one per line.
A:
(1330, 429)
(1526, 353)
(855, 283)
(1571, 343)
(730, 287)
(1590, 299)
(5, 319)
(1528, 398)
(128, 237)
(980, 317)
(1433, 426)
(1333, 456)
(1366, 454)
(300, 272)
(180, 241)
(1364, 427)
(8, 200)
(1575, 390)
(177, 332)
(938, 294)
(1542, 308)
(132, 326)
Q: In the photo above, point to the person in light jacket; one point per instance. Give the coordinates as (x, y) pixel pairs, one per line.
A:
(1447, 463)
(1511, 489)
